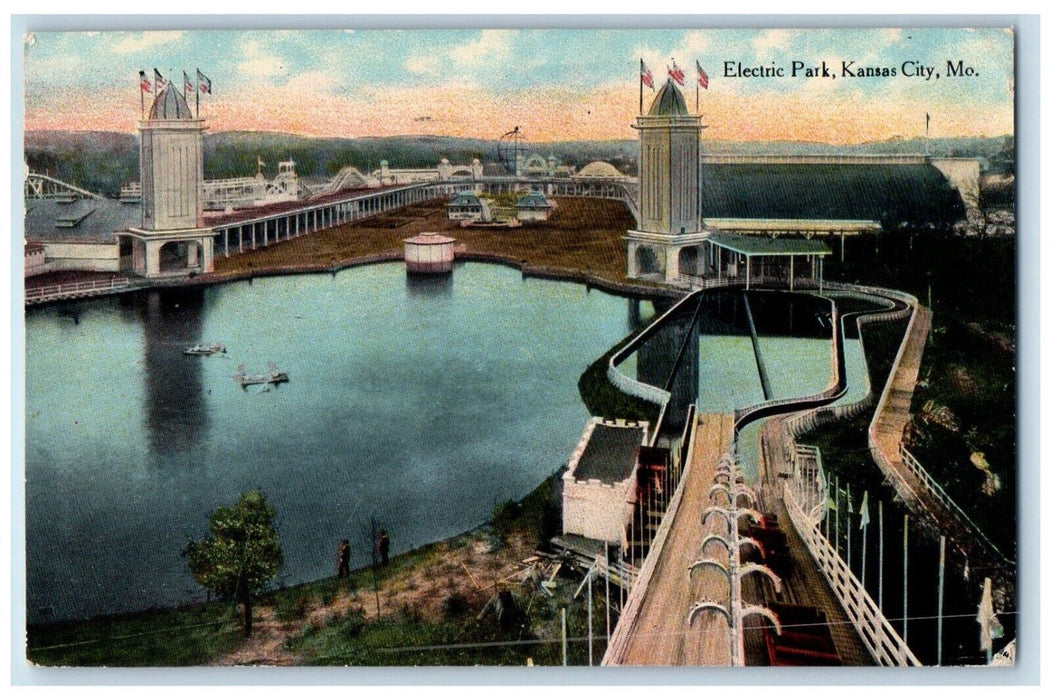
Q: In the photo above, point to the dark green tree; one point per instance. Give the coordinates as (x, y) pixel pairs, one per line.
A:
(241, 554)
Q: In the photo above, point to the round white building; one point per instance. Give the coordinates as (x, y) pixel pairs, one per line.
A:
(429, 252)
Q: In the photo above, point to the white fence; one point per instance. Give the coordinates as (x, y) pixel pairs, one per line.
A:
(877, 634)
(934, 488)
(74, 289)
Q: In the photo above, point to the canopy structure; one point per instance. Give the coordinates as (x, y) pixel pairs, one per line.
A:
(728, 249)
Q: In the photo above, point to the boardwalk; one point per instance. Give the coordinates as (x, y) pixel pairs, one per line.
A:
(922, 494)
(893, 413)
(659, 634)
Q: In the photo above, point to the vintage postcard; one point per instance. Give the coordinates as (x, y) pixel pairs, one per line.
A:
(585, 347)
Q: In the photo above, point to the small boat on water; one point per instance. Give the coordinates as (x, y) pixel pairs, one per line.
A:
(205, 349)
(272, 376)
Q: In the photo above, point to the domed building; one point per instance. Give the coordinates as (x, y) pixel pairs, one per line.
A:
(599, 169)
(171, 240)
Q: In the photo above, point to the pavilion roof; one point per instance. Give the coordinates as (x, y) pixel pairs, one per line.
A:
(764, 245)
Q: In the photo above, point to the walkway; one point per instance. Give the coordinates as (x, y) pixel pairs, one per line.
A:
(658, 634)
(915, 486)
(92, 285)
(893, 412)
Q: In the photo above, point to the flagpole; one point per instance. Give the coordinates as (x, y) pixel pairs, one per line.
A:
(828, 515)
(837, 515)
(849, 509)
(142, 97)
(905, 579)
(591, 661)
(864, 551)
(605, 556)
(640, 86)
(941, 594)
(879, 596)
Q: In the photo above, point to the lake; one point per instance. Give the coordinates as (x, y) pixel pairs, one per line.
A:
(420, 402)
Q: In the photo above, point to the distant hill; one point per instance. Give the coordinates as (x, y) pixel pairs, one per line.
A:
(103, 161)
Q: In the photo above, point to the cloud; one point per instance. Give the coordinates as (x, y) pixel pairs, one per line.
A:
(422, 65)
(696, 42)
(259, 64)
(890, 35)
(765, 42)
(145, 40)
(493, 43)
(315, 81)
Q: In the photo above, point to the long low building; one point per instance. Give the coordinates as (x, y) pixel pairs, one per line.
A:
(79, 233)
(829, 193)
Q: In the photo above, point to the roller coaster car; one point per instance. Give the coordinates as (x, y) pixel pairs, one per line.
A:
(775, 545)
(805, 639)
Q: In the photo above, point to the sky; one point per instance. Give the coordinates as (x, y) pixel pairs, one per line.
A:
(553, 84)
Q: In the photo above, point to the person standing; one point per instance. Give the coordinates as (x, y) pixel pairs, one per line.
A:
(383, 545)
(343, 559)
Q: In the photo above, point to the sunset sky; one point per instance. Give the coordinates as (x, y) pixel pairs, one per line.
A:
(554, 84)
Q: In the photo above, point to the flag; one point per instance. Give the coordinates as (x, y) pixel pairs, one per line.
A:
(645, 74)
(144, 82)
(204, 83)
(158, 80)
(991, 627)
(187, 83)
(702, 77)
(676, 74)
(864, 510)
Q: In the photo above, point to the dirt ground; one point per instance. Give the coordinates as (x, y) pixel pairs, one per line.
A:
(583, 234)
(467, 569)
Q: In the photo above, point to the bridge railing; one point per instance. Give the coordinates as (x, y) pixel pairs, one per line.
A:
(59, 291)
(933, 487)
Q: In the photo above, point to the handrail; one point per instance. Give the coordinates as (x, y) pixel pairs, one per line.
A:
(56, 291)
(913, 465)
(876, 632)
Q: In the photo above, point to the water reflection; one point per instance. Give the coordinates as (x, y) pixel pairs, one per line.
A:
(429, 284)
(669, 361)
(176, 415)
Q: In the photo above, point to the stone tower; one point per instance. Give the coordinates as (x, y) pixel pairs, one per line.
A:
(172, 240)
(666, 242)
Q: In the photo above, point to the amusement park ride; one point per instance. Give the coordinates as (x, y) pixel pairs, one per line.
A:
(507, 150)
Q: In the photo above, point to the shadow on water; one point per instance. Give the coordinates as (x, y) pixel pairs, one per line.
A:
(669, 361)
(176, 415)
(429, 284)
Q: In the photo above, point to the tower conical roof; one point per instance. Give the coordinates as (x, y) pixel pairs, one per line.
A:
(669, 102)
(170, 104)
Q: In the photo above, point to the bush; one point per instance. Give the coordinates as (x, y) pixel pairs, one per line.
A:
(455, 605)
